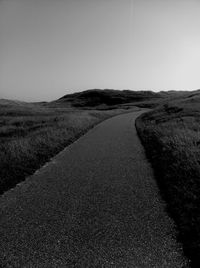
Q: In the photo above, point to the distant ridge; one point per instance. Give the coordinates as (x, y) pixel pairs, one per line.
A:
(109, 97)
(11, 102)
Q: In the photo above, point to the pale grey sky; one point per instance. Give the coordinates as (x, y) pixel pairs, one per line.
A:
(49, 46)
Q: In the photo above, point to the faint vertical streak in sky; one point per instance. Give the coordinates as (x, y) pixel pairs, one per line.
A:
(132, 29)
(131, 38)
(130, 18)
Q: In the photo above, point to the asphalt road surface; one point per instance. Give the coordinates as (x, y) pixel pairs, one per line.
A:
(96, 204)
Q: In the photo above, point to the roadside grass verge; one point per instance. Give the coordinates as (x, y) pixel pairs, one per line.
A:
(171, 137)
(30, 137)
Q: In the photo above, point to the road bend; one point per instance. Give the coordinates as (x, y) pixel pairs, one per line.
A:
(96, 204)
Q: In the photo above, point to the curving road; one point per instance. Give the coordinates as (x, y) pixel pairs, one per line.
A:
(96, 204)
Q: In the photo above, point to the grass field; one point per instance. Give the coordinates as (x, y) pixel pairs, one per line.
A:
(30, 134)
(171, 137)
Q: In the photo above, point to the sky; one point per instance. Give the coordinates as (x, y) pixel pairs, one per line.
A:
(49, 48)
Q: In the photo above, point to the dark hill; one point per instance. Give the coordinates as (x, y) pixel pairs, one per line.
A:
(109, 97)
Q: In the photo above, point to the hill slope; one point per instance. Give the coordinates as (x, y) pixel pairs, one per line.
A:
(109, 97)
(171, 136)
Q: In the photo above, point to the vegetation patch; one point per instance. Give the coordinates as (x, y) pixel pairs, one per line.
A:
(171, 137)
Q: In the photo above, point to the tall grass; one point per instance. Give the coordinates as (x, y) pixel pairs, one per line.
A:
(29, 138)
(171, 136)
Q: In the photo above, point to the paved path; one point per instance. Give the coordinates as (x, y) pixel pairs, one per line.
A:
(95, 205)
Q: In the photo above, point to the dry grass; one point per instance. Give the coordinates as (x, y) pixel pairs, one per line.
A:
(31, 135)
(171, 136)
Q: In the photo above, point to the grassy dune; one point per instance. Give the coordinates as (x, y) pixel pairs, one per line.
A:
(31, 134)
(171, 136)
